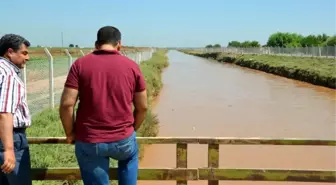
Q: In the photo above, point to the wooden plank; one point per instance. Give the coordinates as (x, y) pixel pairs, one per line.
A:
(204, 140)
(213, 161)
(201, 174)
(268, 175)
(181, 159)
(144, 174)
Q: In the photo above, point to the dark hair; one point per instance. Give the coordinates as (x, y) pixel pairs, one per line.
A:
(12, 41)
(108, 35)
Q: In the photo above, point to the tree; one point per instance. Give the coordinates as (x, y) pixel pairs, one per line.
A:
(77, 46)
(234, 43)
(254, 44)
(217, 46)
(309, 41)
(314, 40)
(331, 41)
(208, 46)
(322, 38)
(286, 39)
(245, 44)
(71, 45)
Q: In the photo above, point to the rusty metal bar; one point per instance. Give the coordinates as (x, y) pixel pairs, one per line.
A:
(204, 140)
(144, 174)
(268, 175)
(213, 161)
(182, 160)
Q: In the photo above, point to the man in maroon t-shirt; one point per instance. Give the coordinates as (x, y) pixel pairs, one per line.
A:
(106, 84)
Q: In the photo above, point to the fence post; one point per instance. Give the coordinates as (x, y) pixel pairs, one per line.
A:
(24, 76)
(319, 54)
(69, 58)
(213, 160)
(82, 53)
(137, 57)
(140, 55)
(51, 79)
(181, 159)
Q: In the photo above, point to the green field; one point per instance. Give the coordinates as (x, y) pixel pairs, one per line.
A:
(47, 124)
(315, 70)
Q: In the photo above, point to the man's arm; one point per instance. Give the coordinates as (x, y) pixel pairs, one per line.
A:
(10, 98)
(66, 110)
(140, 108)
(69, 100)
(139, 99)
(6, 136)
(6, 130)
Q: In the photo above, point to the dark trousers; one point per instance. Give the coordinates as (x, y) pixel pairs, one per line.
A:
(21, 175)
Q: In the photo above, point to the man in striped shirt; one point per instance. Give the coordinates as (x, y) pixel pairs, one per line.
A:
(14, 112)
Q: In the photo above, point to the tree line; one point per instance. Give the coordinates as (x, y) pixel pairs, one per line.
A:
(288, 40)
(213, 46)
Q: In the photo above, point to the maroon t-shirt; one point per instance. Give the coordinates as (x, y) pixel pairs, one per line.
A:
(106, 82)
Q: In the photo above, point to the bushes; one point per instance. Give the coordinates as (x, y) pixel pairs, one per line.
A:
(152, 70)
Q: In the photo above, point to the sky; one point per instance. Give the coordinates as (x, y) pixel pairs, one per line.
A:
(165, 23)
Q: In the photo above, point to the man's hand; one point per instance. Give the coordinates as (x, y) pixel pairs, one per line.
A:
(9, 161)
(70, 139)
(140, 108)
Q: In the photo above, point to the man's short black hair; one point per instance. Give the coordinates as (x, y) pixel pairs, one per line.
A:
(12, 41)
(108, 35)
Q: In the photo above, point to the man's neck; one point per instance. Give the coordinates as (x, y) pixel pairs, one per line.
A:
(107, 47)
(16, 68)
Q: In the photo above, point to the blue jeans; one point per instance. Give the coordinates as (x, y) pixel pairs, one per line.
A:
(93, 160)
(21, 175)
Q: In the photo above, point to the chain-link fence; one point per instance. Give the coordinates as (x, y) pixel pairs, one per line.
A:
(139, 56)
(327, 51)
(45, 74)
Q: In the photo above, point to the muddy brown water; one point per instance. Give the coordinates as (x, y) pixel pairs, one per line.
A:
(206, 98)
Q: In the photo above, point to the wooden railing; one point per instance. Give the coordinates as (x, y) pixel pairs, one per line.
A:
(181, 174)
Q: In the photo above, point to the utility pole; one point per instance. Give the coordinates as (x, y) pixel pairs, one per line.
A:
(62, 38)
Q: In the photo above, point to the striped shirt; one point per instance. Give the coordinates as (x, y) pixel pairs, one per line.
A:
(12, 94)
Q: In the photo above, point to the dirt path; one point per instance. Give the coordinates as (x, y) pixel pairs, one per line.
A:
(43, 85)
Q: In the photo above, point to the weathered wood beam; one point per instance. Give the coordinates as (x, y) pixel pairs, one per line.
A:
(267, 175)
(182, 159)
(205, 140)
(213, 174)
(144, 174)
(213, 160)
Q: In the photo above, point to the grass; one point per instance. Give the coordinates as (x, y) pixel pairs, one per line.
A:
(321, 66)
(314, 70)
(47, 124)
